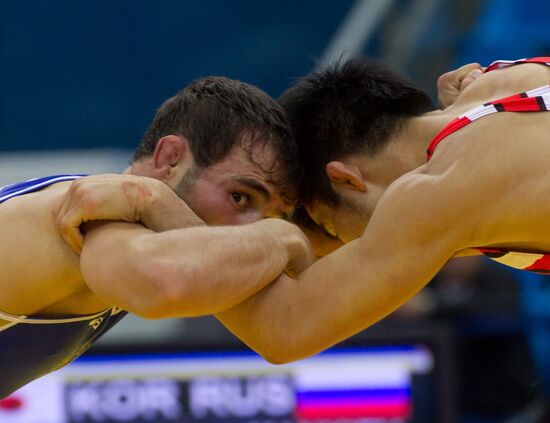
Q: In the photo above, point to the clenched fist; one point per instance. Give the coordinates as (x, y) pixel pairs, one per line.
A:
(451, 84)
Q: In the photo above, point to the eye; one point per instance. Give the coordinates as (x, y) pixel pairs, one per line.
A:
(240, 199)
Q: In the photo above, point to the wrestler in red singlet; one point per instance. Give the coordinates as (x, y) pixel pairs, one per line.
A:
(536, 100)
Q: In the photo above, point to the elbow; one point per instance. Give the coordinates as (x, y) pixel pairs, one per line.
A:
(288, 345)
(278, 359)
(278, 356)
(284, 354)
(281, 349)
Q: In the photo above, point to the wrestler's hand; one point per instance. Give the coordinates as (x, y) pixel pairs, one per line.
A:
(128, 198)
(451, 84)
(302, 255)
(297, 246)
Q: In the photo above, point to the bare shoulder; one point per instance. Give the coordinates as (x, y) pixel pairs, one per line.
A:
(497, 144)
(496, 171)
(425, 208)
(38, 268)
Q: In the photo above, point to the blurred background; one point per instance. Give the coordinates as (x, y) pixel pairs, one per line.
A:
(81, 80)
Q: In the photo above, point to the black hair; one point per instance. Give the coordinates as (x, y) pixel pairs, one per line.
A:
(348, 108)
(214, 114)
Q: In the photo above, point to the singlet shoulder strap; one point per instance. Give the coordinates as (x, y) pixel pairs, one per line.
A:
(20, 188)
(535, 100)
(498, 64)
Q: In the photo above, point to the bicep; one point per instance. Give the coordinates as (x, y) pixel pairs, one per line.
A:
(40, 269)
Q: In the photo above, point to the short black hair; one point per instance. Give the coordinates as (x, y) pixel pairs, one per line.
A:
(348, 108)
(214, 114)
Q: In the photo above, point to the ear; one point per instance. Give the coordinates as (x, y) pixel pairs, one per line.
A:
(169, 153)
(346, 175)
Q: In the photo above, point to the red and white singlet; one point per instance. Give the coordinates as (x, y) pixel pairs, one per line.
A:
(536, 100)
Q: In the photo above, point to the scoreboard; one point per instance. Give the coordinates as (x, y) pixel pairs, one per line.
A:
(367, 384)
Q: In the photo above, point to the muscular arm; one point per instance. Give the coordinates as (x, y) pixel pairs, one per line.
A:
(470, 194)
(359, 283)
(185, 272)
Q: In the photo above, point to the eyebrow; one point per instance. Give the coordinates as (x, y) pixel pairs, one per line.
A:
(255, 185)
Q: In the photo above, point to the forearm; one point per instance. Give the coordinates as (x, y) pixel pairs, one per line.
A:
(189, 272)
(364, 280)
(338, 296)
(294, 318)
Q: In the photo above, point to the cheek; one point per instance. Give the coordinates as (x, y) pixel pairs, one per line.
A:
(217, 209)
(213, 208)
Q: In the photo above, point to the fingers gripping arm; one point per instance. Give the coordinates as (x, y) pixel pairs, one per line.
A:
(451, 84)
(128, 198)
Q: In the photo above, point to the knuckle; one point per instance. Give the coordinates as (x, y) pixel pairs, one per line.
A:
(444, 79)
(467, 69)
(77, 184)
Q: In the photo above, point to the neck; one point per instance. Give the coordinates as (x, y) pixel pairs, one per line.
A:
(403, 153)
(418, 133)
(406, 150)
(140, 167)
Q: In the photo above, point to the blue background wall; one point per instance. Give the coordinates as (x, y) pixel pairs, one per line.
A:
(91, 73)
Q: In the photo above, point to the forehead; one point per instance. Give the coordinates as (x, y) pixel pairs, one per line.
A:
(262, 160)
(257, 167)
(250, 159)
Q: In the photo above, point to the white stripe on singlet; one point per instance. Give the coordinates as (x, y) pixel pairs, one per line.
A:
(14, 319)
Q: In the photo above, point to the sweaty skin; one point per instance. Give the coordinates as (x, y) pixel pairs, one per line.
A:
(151, 274)
(486, 185)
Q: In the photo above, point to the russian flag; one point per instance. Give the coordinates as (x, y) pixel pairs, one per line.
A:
(378, 387)
(381, 403)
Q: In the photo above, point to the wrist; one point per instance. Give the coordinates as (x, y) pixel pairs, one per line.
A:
(287, 236)
(156, 200)
(161, 209)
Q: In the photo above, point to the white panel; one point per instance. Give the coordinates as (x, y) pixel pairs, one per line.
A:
(20, 166)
